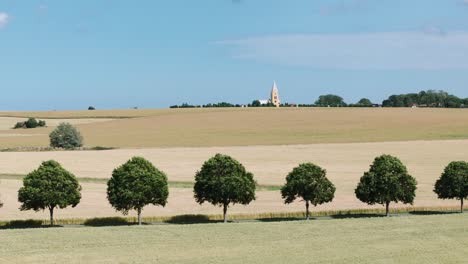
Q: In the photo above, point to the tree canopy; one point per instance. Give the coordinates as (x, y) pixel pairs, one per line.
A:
(430, 98)
(66, 136)
(49, 187)
(136, 184)
(364, 102)
(309, 182)
(330, 100)
(453, 183)
(386, 181)
(223, 181)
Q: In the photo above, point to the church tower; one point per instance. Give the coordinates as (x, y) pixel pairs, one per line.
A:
(275, 100)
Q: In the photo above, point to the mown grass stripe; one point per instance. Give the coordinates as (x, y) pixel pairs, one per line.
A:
(199, 219)
(172, 184)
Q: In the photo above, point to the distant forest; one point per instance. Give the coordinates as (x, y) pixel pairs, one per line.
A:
(430, 98)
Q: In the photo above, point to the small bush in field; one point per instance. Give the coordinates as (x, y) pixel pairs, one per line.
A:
(66, 136)
(30, 123)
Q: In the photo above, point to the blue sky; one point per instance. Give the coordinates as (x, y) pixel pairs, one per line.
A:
(120, 54)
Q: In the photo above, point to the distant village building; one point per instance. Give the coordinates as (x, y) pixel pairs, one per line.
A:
(275, 100)
(274, 97)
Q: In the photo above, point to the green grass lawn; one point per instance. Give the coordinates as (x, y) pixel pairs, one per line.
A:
(403, 239)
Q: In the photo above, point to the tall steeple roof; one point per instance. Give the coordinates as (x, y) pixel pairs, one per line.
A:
(275, 88)
(275, 100)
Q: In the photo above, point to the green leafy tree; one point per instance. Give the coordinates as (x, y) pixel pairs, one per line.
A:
(387, 181)
(428, 98)
(309, 182)
(330, 100)
(453, 183)
(223, 181)
(256, 103)
(364, 102)
(49, 187)
(66, 136)
(136, 184)
(31, 123)
(41, 123)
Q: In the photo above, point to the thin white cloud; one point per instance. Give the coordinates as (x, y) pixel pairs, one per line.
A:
(4, 19)
(383, 50)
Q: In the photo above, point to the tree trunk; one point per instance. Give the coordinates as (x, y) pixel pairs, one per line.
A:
(51, 210)
(307, 211)
(139, 216)
(387, 211)
(225, 206)
(461, 206)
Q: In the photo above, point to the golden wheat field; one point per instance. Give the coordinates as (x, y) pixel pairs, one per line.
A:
(269, 142)
(345, 163)
(249, 126)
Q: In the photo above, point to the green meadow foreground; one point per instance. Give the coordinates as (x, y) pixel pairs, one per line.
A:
(403, 239)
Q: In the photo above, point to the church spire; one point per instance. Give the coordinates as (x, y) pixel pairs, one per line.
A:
(275, 100)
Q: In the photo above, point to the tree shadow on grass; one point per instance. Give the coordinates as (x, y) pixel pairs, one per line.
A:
(107, 221)
(26, 224)
(353, 216)
(433, 212)
(283, 219)
(191, 219)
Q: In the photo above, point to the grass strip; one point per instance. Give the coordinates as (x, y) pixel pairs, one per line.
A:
(172, 184)
(49, 149)
(200, 219)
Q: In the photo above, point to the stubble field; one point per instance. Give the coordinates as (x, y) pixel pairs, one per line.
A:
(269, 142)
(249, 126)
(345, 164)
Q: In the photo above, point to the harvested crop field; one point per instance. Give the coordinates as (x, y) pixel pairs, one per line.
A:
(249, 126)
(406, 239)
(7, 123)
(345, 164)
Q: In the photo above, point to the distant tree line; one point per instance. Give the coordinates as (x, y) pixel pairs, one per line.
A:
(430, 98)
(215, 105)
(223, 181)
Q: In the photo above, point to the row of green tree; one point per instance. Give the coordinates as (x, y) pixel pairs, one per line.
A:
(215, 105)
(430, 98)
(223, 181)
(426, 99)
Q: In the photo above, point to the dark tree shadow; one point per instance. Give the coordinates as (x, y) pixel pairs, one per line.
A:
(108, 221)
(432, 212)
(351, 216)
(283, 219)
(26, 224)
(191, 219)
